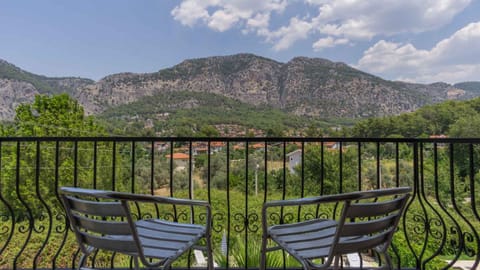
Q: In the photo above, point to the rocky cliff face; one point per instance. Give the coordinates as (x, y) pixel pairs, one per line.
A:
(303, 86)
(13, 93)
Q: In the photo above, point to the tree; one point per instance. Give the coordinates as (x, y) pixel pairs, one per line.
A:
(47, 116)
(57, 115)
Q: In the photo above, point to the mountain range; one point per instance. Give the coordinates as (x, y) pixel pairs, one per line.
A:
(303, 86)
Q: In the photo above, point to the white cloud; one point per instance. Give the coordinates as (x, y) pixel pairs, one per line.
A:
(190, 12)
(222, 20)
(453, 59)
(328, 42)
(365, 19)
(351, 20)
(225, 13)
(287, 35)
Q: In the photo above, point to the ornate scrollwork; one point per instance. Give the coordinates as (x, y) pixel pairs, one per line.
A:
(456, 243)
(147, 215)
(419, 219)
(4, 229)
(322, 215)
(183, 216)
(288, 217)
(309, 216)
(169, 217)
(40, 228)
(469, 238)
(243, 224)
(216, 220)
(435, 222)
(274, 217)
(22, 228)
(252, 222)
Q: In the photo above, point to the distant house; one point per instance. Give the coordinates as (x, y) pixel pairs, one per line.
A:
(258, 146)
(294, 159)
(217, 146)
(331, 145)
(180, 159)
(162, 146)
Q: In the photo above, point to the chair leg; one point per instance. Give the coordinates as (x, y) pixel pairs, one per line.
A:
(81, 262)
(135, 263)
(209, 253)
(336, 262)
(263, 253)
(388, 260)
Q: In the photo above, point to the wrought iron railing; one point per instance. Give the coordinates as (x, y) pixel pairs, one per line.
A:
(236, 175)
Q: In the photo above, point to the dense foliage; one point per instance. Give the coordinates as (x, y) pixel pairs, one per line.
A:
(452, 118)
(191, 113)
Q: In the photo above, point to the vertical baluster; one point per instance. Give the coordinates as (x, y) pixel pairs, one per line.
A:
(245, 220)
(472, 203)
(42, 201)
(28, 215)
(4, 229)
(378, 164)
(359, 160)
(228, 206)
(60, 216)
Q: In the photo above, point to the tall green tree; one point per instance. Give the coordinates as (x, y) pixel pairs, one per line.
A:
(30, 166)
(57, 115)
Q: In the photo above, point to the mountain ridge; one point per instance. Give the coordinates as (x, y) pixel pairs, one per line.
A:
(303, 86)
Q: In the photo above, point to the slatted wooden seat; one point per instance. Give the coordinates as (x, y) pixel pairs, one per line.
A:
(368, 221)
(103, 220)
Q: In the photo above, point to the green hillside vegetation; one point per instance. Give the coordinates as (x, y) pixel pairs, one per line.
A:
(188, 113)
(45, 85)
(468, 86)
(452, 118)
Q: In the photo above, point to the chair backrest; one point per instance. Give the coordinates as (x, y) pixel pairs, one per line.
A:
(98, 222)
(371, 221)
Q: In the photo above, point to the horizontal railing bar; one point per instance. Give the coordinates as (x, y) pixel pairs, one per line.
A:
(242, 139)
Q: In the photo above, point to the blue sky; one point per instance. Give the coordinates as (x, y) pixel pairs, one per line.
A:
(411, 40)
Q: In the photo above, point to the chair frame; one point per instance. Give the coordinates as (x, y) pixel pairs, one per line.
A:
(121, 198)
(335, 252)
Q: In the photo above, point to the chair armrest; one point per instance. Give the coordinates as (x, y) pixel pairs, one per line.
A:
(154, 199)
(115, 195)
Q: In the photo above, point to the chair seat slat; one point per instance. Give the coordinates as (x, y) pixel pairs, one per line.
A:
(120, 244)
(362, 243)
(165, 226)
(298, 236)
(96, 208)
(103, 226)
(368, 227)
(374, 209)
(155, 234)
(314, 253)
(312, 243)
(301, 227)
(157, 253)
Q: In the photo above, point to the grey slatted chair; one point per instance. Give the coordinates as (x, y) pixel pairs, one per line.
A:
(103, 220)
(368, 221)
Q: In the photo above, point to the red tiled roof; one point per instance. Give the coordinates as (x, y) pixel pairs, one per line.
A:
(179, 156)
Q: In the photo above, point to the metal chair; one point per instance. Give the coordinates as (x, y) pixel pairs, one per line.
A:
(103, 220)
(368, 220)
